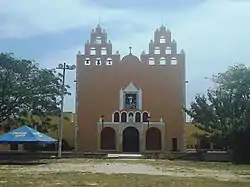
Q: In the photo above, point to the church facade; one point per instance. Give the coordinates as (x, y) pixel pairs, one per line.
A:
(130, 104)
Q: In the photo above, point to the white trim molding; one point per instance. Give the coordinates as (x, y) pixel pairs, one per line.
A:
(113, 116)
(126, 116)
(144, 123)
(130, 89)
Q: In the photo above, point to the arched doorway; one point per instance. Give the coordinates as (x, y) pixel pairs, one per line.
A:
(131, 140)
(108, 139)
(153, 139)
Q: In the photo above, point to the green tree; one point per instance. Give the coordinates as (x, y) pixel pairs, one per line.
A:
(224, 111)
(26, 87)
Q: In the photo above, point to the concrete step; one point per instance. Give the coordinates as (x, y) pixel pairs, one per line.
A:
(127, 156)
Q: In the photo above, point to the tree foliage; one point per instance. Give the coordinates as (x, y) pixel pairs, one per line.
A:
(224, 111)
(25, 87)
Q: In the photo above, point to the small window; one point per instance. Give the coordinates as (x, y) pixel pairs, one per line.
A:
(151, 61)
(124, 117)
(145, 117)
(157, 50)
(162, 40)
(162, 61)
(87, 62)
(103, 51)
(98, 62)
(168, 50)
(98, 40)
(92, 51)
(137, 117)
(173, 61)
(109, 62)
(116, 117)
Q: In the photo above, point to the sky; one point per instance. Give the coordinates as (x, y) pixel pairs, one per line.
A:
(214, 34)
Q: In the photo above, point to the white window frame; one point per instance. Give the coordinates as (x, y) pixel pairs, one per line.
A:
(109, 62)
(98, 40)
(151, 61)
(103, 51)
(162, 61)
(157, 50)
(174, 61)
(87, 62)
(92, 51)
(162, 40)
(96, 62)
(168, 50)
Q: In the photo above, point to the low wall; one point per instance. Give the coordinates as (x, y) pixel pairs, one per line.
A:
(214, 156)
(217, 156)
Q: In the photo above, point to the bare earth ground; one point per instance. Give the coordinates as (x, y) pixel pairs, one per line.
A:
(89, 172)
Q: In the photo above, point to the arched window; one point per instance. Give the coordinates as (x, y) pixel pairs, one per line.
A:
(116, 117)
(151, 61)
(124, 117)
(98, 40)
(145, 117)
(168, 50)
(92, 51)
(103, 51)
(98, 62)
(173, 61)
(162, 61)
(157, 50)
(87, 62)
(137, 117)
(109, 62)
(162, 40)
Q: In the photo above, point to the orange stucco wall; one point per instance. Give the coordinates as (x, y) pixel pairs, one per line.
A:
(163, 91)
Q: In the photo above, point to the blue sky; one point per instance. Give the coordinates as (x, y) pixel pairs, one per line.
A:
(214, 33)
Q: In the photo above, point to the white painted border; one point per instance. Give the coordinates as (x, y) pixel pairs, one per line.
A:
(143, 113)
(114, 115)
(133, 116)
(140, 116)
(126, 116)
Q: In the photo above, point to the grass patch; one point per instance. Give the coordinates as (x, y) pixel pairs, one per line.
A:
(101, 180)
(167, 163)
(29, 176)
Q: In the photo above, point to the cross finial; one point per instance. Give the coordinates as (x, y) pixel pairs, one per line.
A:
(130, 50)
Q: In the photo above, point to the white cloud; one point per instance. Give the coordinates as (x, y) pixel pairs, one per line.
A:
(214, 34)
(28, 17)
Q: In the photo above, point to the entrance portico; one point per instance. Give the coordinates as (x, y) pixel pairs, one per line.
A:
(131, 137)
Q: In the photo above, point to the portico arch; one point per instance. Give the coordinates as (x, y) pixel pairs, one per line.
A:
(131, 140)
(153, 139)
(108, 139)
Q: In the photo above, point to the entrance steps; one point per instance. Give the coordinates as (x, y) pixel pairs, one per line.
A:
(127, 156)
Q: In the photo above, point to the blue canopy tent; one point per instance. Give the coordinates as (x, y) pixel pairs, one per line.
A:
(25, 134)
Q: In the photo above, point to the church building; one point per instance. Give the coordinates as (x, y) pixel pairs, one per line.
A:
(130, 104)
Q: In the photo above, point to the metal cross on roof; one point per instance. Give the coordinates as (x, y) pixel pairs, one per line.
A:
(130, 50)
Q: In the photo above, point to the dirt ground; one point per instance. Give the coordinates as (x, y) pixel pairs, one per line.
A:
(137, 168)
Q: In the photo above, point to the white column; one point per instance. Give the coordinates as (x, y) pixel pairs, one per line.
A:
(140, 99)
(121, 100)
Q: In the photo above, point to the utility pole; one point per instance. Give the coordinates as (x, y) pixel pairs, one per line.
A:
(63, 67)
(76, 117)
